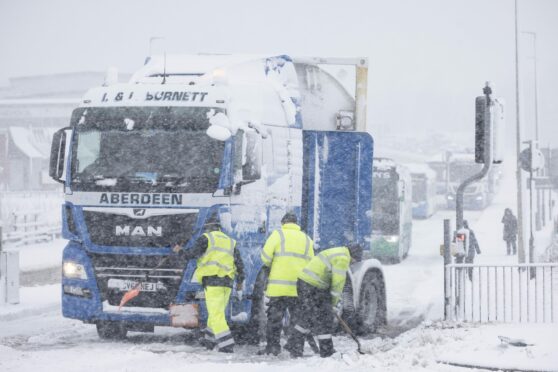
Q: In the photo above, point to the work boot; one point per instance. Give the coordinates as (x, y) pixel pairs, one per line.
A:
(270, 349)
(227, 349)
(208, 344)
(295, 344)
(326, 347)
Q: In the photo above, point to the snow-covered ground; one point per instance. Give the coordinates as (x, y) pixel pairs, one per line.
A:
(33, 335)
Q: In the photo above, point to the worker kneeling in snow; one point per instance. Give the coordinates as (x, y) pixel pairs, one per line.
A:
(216, 270)
(320, 286)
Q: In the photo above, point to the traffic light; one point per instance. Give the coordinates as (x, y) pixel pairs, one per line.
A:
(496, 118)
(480, 119)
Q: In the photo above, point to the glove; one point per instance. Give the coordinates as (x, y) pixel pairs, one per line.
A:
(338, 308)
(177, 248)
(239, 291)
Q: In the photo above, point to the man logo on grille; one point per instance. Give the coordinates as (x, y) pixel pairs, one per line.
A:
(139, 212)
(138, 230)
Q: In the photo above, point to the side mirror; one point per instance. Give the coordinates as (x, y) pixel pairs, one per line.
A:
(58, 155)
(220, 127)
(248, 159)
(219, 133)
(252, 166)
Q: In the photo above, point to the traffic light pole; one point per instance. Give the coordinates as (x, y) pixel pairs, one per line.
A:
(487, 160)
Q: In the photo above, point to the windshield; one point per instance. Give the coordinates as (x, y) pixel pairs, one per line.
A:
(385, 202)
(158, 149)
(419, 189)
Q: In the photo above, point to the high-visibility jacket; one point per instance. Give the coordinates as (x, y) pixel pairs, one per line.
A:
(286, 251)
(328, 270)
(218, 259)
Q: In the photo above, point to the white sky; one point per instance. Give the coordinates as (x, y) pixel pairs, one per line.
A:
(429, 58)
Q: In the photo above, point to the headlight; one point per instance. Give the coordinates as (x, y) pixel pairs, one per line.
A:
(479, 197)
(392, 239)
(73, 270)
(450, 197)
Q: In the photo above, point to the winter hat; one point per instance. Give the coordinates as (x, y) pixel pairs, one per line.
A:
(289, 217)
(355, 250)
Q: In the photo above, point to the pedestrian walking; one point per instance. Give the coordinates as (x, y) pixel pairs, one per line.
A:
(510, 231)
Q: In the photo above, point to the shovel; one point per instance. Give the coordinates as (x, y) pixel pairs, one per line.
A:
(347, 329)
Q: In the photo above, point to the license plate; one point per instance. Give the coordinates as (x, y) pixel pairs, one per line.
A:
(126, 285)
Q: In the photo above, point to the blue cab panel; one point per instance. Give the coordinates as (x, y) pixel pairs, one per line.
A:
(337, 188)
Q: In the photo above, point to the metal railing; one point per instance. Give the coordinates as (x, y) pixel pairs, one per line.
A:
(28, 227)
(502, 293)
(28, 217)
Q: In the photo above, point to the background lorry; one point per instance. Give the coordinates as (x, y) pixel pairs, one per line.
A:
(478, 195)
(144, 164)
(392, 211)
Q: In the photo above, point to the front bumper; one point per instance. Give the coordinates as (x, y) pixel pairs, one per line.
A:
(82, 299)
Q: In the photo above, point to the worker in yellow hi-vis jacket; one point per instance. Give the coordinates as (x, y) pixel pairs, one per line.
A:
(218, 262)
(320, 287)
(286, 252)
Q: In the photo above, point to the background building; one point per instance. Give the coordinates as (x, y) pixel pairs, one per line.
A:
(31, 109)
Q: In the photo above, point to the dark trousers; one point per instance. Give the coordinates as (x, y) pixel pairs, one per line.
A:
(314, 315)
(277, 308)
(511, 243)
(467, 260)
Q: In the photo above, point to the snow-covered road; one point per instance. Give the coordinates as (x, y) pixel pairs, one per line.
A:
(38, 338)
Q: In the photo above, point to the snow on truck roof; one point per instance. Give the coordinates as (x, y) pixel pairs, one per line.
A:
(192, 65)
(218, 68)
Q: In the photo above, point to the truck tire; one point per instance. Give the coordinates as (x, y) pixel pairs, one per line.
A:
(254, 331)
(371, 308)
(108, 330)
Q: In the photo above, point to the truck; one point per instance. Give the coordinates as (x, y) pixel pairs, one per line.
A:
(391, 211)
(425, 201)
(478, 195)
(144, 165)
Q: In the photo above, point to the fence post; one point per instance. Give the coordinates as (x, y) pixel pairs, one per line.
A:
(447, 274)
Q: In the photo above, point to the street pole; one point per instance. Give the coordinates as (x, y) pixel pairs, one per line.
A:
(531, 237)
(536, 126)
(447, 272)
(520, 242)
(534, 34)
(487, 159)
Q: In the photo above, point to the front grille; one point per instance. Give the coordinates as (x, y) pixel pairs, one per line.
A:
(134, 268)
(121, 230)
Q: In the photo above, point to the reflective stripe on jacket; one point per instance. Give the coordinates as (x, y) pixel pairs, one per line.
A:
(328, 270)
(286, 251)
(218, 259)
